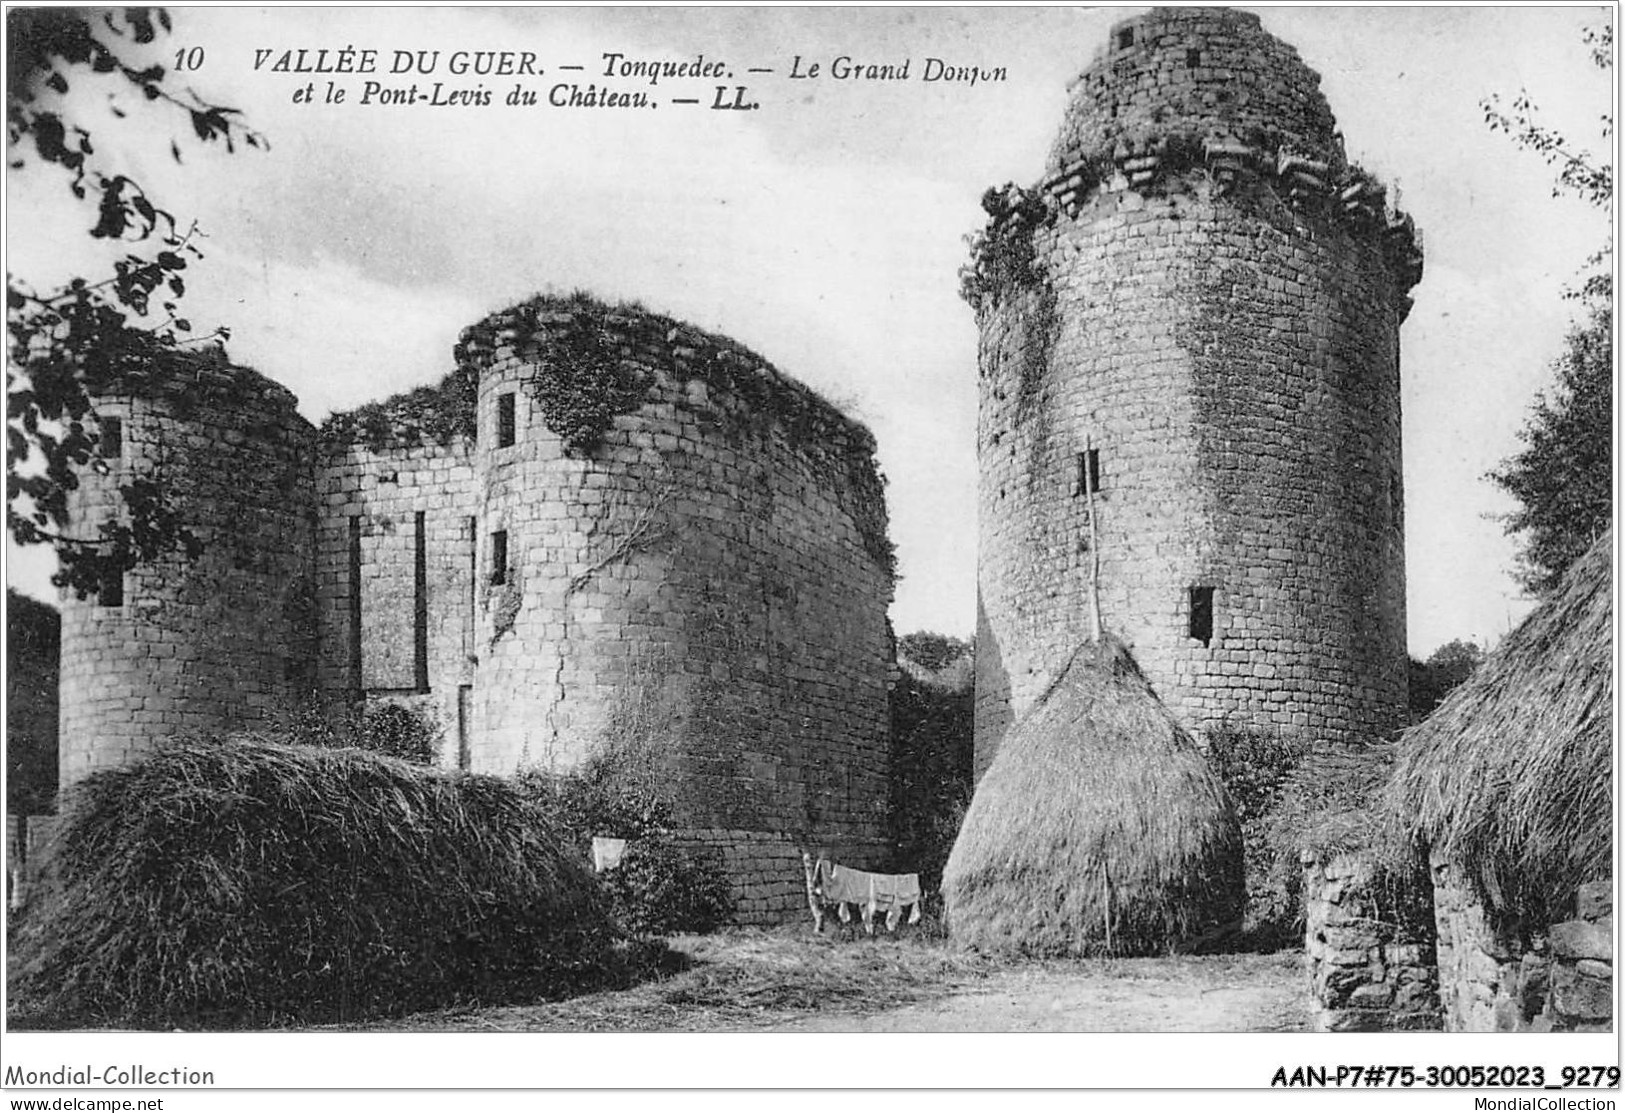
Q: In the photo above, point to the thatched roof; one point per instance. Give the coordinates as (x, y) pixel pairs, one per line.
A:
(1511, 777)
(1099, 828)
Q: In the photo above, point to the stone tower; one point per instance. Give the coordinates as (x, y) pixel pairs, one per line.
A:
(222, 643)
(1189, 393)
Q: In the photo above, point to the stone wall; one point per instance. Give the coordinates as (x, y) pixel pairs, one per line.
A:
(1211, 70)
(765, 871)
(1582, 964)
(1185, 318)
(711, 572)
(395, 581)
(221, 643)
(1370, 965)
(1495, 978)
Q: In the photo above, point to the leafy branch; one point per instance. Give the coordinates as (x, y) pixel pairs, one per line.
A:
(67, 344)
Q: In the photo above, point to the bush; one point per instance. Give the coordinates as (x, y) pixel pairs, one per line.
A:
(659, 888)
(399, 731)
(621, 791)
(1255, 765)
(932, 749)
(252, 883)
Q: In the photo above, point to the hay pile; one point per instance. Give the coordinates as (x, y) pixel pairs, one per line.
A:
(248, 882)
(1098, 829)
(1511, 777)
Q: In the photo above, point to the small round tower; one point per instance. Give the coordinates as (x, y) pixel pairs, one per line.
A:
(1189, 394)
(178, 646)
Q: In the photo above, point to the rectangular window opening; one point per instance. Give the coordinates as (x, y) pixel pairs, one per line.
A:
(465, 726)
(1200, 624)
(420, 603)
(1086, 473)
(110, 592)
(1125, 38)
(1193, 58)
(354, 561)
(505, 420)
(499, 557)
(112, 445)
(471, 615)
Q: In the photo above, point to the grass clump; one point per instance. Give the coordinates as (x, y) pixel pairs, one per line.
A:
(249, 883)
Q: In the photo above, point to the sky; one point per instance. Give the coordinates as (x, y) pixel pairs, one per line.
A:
(825, 227)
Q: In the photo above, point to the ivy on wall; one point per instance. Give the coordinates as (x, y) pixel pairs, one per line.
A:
(583, 384)
(435, 414)
(595, 362)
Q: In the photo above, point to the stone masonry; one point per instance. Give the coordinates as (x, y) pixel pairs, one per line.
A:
(711, 573)
(227, 642)
(1370, 962)
(1529, 978)
(1190, 333)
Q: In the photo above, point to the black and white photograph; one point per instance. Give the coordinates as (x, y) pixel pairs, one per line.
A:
(796, 548)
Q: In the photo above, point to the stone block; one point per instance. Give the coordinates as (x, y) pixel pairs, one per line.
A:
(1354, 1020)
(1372, 995)
(1581, 997)
(1594, 900)
(1576, 939)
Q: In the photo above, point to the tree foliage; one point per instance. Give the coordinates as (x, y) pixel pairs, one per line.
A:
(33, 638)
(1579, 171)
(1563, 477)
(1442, 673)
(69, 342)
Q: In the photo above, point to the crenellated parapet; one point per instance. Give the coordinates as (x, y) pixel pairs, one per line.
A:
(1201, 104)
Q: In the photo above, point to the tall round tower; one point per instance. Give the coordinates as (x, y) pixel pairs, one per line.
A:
(223, 642)
(1189, 375)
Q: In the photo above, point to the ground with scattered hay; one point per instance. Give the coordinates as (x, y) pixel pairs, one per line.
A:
(790, 980)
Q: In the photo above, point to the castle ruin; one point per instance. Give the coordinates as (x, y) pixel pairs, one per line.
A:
(604, 523)
(1189, 379)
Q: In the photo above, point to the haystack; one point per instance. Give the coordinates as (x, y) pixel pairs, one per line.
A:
(222, 884)
(1510, 778)
(1098, 828)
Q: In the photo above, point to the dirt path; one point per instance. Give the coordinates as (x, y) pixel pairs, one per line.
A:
(1242, 994)
(788, 981)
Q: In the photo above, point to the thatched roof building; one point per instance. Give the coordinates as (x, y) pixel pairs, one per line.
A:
(1098, 829)
(1510, 779)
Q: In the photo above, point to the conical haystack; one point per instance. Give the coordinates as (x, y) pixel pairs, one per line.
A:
(1098, 828)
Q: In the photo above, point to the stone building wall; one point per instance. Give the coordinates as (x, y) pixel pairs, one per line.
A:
(765, 871)
(1197, 312)
(1540, 978)
(1371, 966)
(708, 575)
(712, 573)
(221, 643)
(395, 581)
